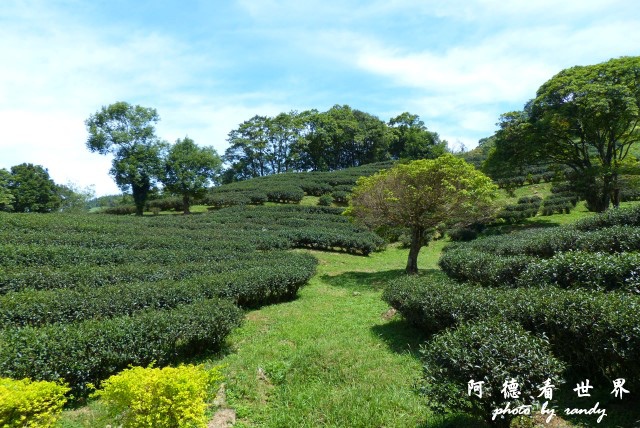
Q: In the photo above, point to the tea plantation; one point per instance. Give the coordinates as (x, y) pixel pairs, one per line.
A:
(570, 295)
(84, 296)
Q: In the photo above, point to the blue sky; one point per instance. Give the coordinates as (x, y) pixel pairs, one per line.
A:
(207, 66)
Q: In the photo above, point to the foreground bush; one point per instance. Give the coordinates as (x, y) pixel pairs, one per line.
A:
(595, 333)
(26, 403)
(90, 351)
(492, 351)
(153, 397)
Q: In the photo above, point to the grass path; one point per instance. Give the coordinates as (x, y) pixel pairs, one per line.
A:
(334, 356)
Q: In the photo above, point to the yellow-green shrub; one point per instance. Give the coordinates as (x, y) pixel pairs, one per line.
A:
(26, 403)
(154, 397)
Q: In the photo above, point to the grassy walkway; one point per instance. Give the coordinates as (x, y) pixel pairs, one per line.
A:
(332, 357)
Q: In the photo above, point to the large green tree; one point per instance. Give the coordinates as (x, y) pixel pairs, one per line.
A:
(6, 197)
(423, 195)
(190, 169)
(33, 190)
(585, 117)
(128, 133)
(410, 139)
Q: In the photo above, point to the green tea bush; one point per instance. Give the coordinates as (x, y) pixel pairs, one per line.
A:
(27, 403)
(160, 397)
(616, 217)
(90, 351)
(577, 269)
(482, 267)
(492, 351)
(325, 200)
(340, 197)
(594, 332)
(253, 285)
(285, 194)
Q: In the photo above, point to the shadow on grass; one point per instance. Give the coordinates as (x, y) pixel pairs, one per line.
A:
(375, 281)
(360, 281)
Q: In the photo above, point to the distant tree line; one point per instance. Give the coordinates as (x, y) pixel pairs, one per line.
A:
(338, 138)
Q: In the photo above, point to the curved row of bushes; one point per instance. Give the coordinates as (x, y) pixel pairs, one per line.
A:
(594, 332)
(574, 269)
(250, 286)
(90, 351)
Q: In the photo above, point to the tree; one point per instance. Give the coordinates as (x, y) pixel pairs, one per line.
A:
(189, 169)
(75, 199)
(586, 118)
(423, 195)
(128, 133)
(410, 139)
(6, 198)
(33, 190)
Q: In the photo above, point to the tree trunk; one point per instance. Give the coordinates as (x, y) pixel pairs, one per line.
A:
(414, 250)
(139, 198)
(186, 203)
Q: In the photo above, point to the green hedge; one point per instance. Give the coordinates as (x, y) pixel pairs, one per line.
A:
(613, 217)
(251, 286)
(91, 351)
(484, 268)
(593, 332)
(492, 351)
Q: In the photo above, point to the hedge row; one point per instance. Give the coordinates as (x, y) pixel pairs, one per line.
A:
(594, 332)
(251, 286)
(90, 351)
(575, 269)
(548, 242)
(621, 216)
(16, 255)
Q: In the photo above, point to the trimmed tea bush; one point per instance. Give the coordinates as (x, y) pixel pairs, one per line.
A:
(325, 200)
(594, 332)
(494, 352)
(90, 351)
(153, 397)
(27, 403)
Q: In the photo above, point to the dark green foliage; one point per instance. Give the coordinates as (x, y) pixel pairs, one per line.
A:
(32, 189)
(285, 194)
(561, 200)
(483, 267)
(493, 351)
(526, 207)
(593, 332)
(165, 204)
(623, 216)
(83, 296)
(120, 210)
(288, 187)
(251, 285)
(578, 269)
(340, 197)
(325, 200)
(91, 351)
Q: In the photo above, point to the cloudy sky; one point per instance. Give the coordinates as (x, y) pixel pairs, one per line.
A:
(207, 66)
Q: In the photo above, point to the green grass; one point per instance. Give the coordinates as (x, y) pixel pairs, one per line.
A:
(331, 357)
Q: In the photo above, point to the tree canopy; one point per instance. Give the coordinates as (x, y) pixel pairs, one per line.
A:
(189, 169)
(586, 118)
(338, 138)
(32, 189)
(128, 133)
(422, 195)
(6, 197)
